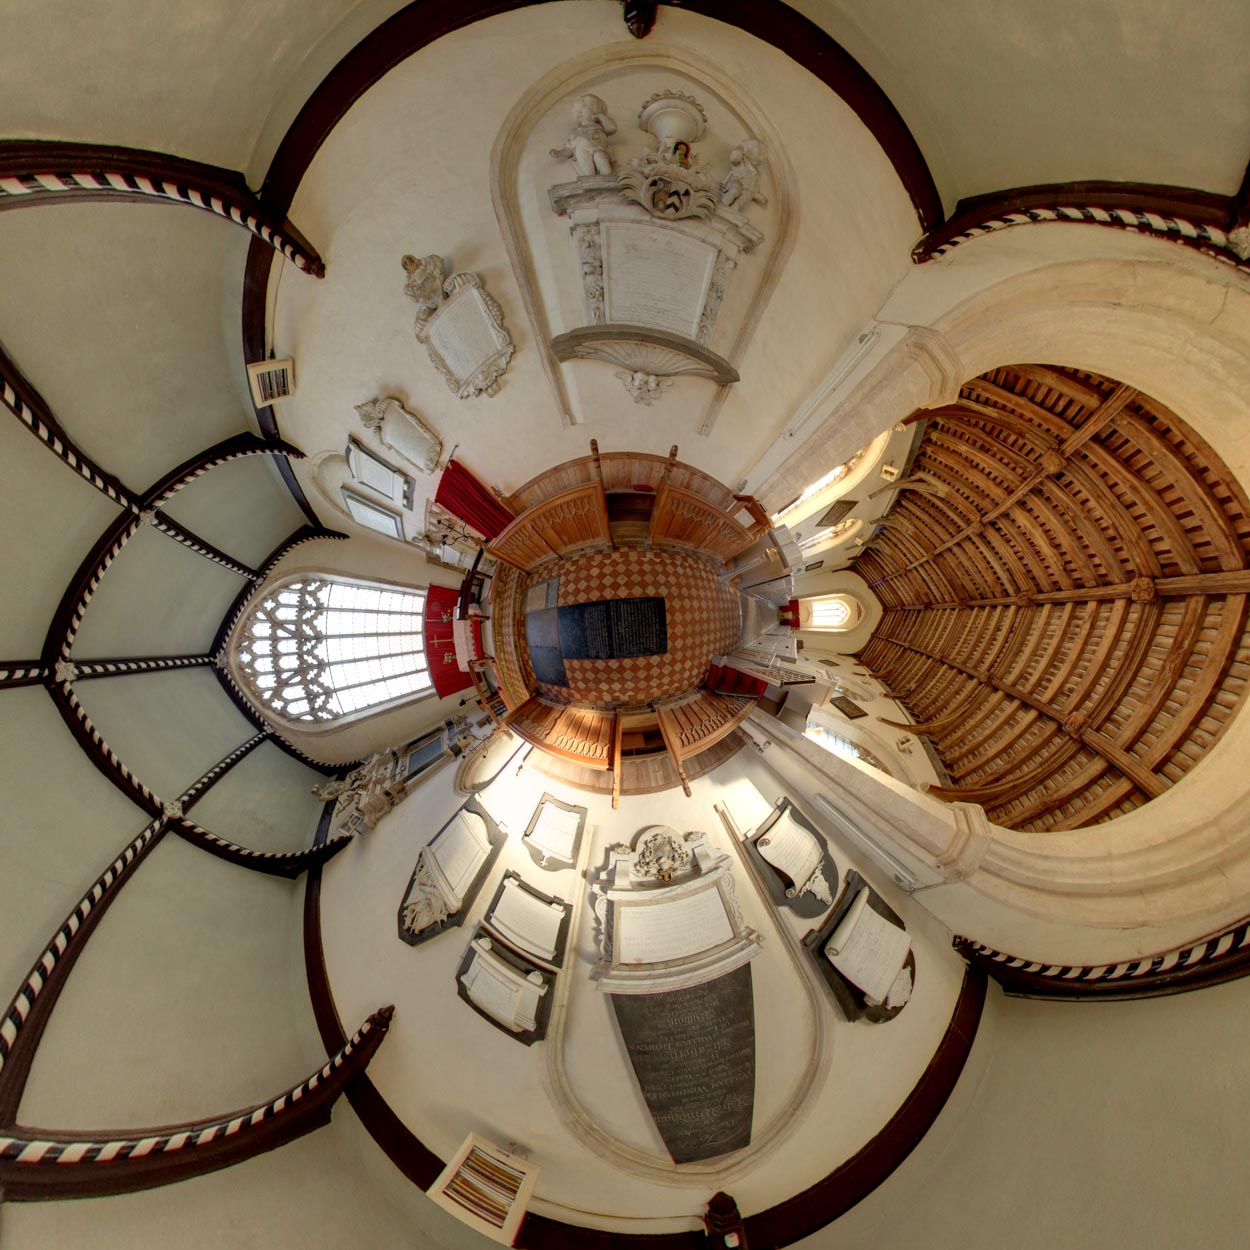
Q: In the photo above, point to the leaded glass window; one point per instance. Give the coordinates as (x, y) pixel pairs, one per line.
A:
(316, 649)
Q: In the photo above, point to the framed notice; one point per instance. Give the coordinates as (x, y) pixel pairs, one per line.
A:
(848, 707)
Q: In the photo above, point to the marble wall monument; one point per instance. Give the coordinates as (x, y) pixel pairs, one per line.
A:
(461, 325)
(656, 241)
(675, 957)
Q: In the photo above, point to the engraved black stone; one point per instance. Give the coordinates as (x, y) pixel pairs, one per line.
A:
(613, 629)
(693, 1052)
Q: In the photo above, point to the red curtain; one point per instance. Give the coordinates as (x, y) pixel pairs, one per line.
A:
(440, 647)
(462, 494)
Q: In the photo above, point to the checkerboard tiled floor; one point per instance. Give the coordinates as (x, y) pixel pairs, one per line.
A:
(702, 619)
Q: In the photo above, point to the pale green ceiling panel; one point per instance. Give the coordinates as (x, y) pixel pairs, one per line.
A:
(168, 728)
(242, 507)
(64, 824)
(158, 597)
(59, 516)
(263, 803)
(185, 1001)
(125, 317)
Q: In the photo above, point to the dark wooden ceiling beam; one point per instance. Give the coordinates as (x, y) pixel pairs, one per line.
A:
(1196, 219)
(39, 172)
(39, 1164)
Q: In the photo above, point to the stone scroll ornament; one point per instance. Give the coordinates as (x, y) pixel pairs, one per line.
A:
(461, 326)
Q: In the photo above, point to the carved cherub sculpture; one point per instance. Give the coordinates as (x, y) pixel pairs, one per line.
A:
(587, 144)
(741, 184)
(424, 285)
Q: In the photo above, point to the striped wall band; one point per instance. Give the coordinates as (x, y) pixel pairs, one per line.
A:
(171, 529)
(104, 754)
(66, 1150)
(223, 453)
(101, 892)
(198, 788)
(1208, 951)
(22, 672)
(124, 533)
(243, 210)
(83, 670)
(276, 863)
(51, 436)
(1179, 229)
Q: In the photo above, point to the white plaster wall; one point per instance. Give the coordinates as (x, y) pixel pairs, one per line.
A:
(65, 823)
(465, 1074)
(1083, 1126)
(188, 1000)
(352, 333)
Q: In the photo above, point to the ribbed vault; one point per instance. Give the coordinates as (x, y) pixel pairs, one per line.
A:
(1064, 575)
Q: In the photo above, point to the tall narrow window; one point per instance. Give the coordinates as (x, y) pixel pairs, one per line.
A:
(832, 613)
(316, 650)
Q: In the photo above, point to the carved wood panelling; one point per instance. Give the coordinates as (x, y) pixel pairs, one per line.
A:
(1065, 602)
(572, 521)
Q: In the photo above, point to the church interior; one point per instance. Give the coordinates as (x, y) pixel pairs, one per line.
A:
(627, 624)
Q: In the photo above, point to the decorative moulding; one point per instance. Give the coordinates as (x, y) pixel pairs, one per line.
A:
(402, 432)
(461, 326)
(647, 360)
(608, 70)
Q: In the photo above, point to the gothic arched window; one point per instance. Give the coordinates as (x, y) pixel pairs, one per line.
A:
(317, 649)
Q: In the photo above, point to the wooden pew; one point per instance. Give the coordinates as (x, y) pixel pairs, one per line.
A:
(693, 722)
(573, 521)
(581, 735)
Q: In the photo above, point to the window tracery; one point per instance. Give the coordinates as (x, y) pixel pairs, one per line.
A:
(317, 649)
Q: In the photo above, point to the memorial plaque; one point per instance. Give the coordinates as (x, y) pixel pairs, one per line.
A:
(462, 333)
(614, 629)
(655, 277)
(693, 1052)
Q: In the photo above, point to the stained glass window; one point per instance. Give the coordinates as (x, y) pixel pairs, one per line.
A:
(316, 650)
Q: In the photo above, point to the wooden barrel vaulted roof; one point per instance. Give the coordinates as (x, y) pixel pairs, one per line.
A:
(1064, 576)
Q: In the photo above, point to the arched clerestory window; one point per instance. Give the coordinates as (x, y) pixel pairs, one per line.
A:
(319, 649)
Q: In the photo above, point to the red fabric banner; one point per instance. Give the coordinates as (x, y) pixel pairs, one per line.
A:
(440, 647)
(462, 494)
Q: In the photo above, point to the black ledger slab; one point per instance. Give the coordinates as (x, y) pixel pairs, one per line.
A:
(693, 1052)
(613, 629)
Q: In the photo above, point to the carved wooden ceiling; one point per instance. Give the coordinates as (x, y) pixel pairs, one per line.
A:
(1065, 577)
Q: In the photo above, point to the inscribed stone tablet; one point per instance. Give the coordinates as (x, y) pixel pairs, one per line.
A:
(462, 334)
(693, 1052)
(655, 276)
(650, 933)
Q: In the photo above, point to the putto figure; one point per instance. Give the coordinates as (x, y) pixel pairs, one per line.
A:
(741, 184)
(587, 144)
